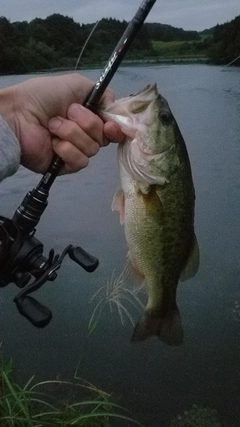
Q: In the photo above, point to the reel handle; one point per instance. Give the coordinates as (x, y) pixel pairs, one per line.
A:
(37, 314)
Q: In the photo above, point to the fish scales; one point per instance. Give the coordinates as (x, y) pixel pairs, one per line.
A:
(156, 204)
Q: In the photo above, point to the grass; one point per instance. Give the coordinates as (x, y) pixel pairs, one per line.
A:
(176, 50)
(31, 406)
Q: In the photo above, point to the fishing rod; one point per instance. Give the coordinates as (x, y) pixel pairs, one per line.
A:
(21, 254)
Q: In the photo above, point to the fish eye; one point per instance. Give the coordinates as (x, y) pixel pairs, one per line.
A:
(139, 107)
(165, 117)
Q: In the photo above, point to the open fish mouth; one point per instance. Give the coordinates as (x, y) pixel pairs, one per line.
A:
(132, 104)
(131, 111)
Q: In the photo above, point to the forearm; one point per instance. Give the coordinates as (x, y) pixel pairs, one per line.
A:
(9, 150)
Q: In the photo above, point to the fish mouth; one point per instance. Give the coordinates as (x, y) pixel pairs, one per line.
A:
(118, 118)
(128, 112)
(126, 124)
(123, 107)
(146, 91)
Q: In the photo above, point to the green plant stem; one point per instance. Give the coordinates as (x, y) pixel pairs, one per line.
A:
(18, 401)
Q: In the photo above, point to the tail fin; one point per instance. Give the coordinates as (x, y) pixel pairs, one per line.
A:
(167, 328)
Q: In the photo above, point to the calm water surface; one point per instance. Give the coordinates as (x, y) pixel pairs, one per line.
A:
(154, 381)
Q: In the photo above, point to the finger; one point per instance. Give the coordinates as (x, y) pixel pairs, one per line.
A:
(113, 132)
(68, 130)
(74, 160)
(89, 122)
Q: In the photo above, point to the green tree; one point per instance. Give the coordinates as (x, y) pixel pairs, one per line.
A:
(225, 44)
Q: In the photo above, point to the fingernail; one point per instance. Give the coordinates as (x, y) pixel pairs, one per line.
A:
(54, 124)
(74, 111)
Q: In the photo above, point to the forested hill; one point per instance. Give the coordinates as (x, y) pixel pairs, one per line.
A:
(225, 43)
(168, 33)
(55, 42)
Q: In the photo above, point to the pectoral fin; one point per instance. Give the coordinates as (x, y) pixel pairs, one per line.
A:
(192, 264)
(118, 204)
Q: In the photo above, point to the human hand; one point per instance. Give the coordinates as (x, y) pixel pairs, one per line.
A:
(46, 115)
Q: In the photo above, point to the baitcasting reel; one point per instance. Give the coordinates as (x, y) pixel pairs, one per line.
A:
(21, 256)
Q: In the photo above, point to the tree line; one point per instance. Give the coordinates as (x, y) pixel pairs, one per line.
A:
(224, 46)
(55, 42)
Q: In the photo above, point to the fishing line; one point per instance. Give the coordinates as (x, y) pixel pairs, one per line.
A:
(85, 44)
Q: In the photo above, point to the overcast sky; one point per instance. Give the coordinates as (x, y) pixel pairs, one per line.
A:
(187, 14)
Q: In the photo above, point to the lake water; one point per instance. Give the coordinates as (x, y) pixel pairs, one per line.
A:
(153, 381)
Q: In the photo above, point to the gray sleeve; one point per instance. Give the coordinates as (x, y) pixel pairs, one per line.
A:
(9, 150)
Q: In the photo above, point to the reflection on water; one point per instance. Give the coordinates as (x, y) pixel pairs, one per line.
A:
(154, 381)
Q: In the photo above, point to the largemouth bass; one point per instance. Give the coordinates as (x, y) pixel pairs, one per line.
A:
(156, 205)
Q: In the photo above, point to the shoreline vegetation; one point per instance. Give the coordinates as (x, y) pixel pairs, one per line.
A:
(54, 43)
(79, 403)
(128, 63)
(57, 403)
